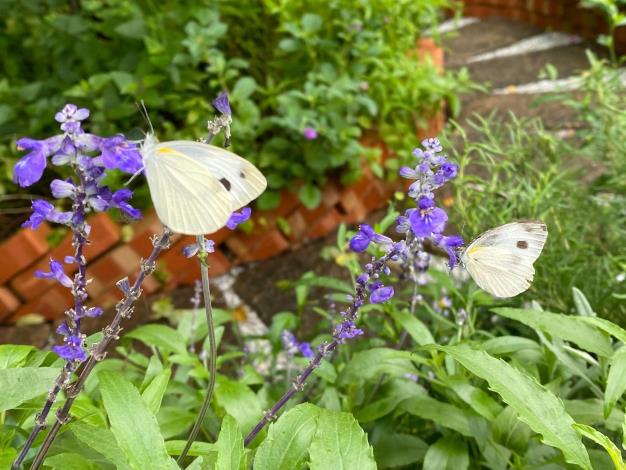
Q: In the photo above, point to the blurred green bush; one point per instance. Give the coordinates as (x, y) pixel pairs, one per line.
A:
(337, 66)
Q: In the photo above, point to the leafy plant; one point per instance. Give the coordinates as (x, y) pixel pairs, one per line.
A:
(304, 78)
(613, 12)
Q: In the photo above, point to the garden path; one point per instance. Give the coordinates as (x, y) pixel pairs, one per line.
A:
(510, 56)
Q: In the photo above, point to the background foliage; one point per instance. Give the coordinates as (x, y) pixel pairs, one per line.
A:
(338, 67)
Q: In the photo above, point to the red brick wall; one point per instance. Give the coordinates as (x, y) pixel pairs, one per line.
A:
(558, 15)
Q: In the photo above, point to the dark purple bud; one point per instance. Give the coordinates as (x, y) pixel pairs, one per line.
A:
(222, 104)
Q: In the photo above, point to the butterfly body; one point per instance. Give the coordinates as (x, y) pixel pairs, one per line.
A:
(501, 260)
(195, 187)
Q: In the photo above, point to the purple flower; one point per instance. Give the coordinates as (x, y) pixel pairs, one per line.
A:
(237, 218)
(425, 222)
(305, 350)
(192, 250)
(119, 200)
(450, 170)
(29, 169)
(450, 245)
(222, 104)
(382, 294)
(364, 237)
(408, 173)
(43, 210)
(72, 350)
(71, 112)
(61, 188)
(56, 272)
(93, 312)
(309, 133)
(363, 278)
(347, 330)
(432, 144)
(117, 152)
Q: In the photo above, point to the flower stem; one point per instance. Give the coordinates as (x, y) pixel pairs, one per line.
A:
(208, 309)
(124, 309)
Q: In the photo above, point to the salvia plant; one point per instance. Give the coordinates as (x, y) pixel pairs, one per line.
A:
(409, 366)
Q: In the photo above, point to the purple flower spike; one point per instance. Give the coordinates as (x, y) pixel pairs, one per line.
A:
(347, 330)
(426, 222)
(309, 133)
(56, 272)
(382, 294)
(408, 173)
(117, 152)
(72, 350)
(43, 210)
(222, 104)
(71, 112)
(237, 218)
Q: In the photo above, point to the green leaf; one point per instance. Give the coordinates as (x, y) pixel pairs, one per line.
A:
(311, 22)
(607, 326)
(153, 394)
(13, 355)
(244, 87)
(102, 441)
(601, 439)
(239, 401)
(340, 443)
(567, 327)
(135, 428)
(591, 412)
(310, 196)
(397, 450)
(536, 406)
(582, 304)
(448, 453)
(373, 362)
(616, 381)
(414, 327)
(230, 450)
(441, 413)
(160, 336)
(198, 448)
(70, 461)
(480, 402)
(7, 456)
(20, 385)
(288, 439)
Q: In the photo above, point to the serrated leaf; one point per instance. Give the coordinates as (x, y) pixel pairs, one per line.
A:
(448, 453)
(70, 461)
(135, 428)
(443, 414)
(288, 440)
(616, 381)
(340, 443)
(536, 406)
(607, 326)
(26, 383)
(566, 327)
(599, 438)
(373, 362)
(230, 450)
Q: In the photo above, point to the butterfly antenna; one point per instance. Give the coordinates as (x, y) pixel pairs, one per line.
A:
(144, 112)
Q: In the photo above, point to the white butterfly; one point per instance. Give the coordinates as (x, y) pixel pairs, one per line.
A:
(195, 187)
(501, 260)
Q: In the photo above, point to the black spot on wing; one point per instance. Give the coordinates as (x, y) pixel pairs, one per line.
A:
(523, 244)
(242, 175)
(225, 183)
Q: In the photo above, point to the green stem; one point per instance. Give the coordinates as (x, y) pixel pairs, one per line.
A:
(208, 308)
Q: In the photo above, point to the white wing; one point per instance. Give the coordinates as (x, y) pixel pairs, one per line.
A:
(187, 197)
(501, 259)
(242, 179)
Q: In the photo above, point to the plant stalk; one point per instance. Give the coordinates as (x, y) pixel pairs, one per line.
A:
(124, 310)
(208, 309)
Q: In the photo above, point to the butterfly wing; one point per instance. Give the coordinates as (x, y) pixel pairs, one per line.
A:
(187, 197)
(501, 260)
(243, 181)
